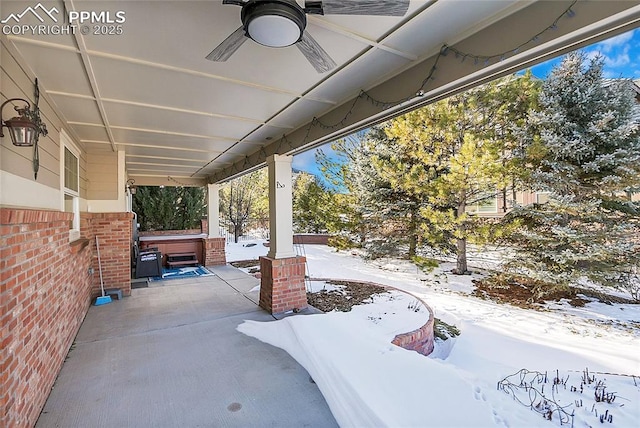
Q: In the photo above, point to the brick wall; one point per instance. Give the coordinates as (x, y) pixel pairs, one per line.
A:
(311, 238)
(282, 285)
(421, 339)
(170, 232)
(204, 228)
(45, 292)
(114, 235)
(214, 251)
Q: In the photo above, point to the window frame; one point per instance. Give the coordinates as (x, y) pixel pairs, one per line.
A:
(67, 145)
(490, 201)
(544, 195)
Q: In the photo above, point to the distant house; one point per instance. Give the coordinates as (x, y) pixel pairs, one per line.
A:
(501, 203)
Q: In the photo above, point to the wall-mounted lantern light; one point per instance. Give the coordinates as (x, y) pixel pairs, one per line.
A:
(25, 128)
(22, 130)
(130, 186)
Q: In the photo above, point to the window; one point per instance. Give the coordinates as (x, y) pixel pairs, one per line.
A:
(489, 205)
(70, 170)
(542, 197)
(70, 179)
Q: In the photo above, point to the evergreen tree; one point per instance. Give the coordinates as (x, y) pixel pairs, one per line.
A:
(191, 207)
(393, 212)
(455, 154)
(339, 170)
(506, 107)
(169, 208)
(584, 148)
(312, 205)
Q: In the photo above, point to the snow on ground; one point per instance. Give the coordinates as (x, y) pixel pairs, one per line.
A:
(246, 250)
(368, 382)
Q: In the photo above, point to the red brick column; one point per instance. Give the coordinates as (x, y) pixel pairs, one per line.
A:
(114, 234)
(45, 292)
(282, 284)
(214, 251)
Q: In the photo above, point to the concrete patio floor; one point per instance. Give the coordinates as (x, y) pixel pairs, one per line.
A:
(170, 356)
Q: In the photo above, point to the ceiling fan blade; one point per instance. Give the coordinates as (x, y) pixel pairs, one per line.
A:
(314, 53)
(224, 50)
(363, 7)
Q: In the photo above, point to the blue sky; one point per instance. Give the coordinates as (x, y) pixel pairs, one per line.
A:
(621, 57)
(621, 60)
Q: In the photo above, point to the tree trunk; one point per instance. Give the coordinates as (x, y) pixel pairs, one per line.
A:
(413, 243)
(237, 231)
(413, 238)
(461, 263)
(504, 200)
(461, 243)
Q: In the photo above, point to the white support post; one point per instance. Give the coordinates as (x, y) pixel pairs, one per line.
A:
(213, 210)
(280, 207)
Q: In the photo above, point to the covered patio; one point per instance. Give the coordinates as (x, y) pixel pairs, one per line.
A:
(137, 93)
(170, 355)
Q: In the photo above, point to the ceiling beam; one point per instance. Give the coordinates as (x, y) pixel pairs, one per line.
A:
(166, 180)
(197, 73)
(92, 53)
(360, 38)
(197, 161)
(91, 77)
(589, 22)
(153, 146)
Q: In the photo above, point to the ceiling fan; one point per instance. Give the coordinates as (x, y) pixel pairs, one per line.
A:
(281, 23)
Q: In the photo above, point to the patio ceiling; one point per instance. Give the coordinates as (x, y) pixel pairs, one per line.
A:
(151, 92)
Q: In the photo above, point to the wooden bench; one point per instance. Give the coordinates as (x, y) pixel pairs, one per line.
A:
(182, 259)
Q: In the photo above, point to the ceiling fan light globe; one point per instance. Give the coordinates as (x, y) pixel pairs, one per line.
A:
(274, 31)
(274, 23)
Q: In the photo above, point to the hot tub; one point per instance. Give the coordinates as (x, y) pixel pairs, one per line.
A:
(169, 244)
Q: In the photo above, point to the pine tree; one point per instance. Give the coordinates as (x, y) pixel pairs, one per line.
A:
(457, 153)
(366, 208)
(339, 169)
(411, 180)
(584, 149)
(191, 207)
(312, 205)
(393, 212)
(169, 208)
